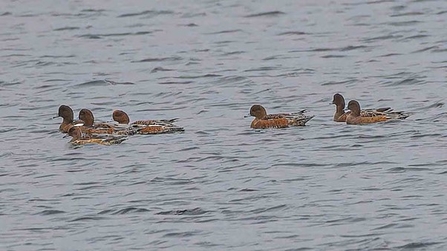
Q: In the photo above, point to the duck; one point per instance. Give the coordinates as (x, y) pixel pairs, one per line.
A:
(67, 115)
(263, 120)
(340, 113)
(355, 117)
(147, 126)
(79, 138)
(91, 127)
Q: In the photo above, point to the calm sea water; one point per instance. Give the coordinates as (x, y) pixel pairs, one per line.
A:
(221, 185)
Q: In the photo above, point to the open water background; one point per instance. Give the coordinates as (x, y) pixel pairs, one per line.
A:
(221, 185)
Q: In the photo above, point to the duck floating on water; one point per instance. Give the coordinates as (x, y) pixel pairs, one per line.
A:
(355, 117)
(79, 138)
(147, 126)
(282, 120)
(67, 115)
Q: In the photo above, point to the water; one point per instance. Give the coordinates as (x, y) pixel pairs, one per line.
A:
(221, 185)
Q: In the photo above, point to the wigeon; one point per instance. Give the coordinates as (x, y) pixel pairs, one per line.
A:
(355, 117)
(67, 118)
(147, 126)
(79, 138)
(263, 120)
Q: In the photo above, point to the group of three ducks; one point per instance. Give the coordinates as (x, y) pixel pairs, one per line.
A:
(86, 131)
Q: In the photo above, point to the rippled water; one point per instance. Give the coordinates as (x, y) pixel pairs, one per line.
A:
(221, 185)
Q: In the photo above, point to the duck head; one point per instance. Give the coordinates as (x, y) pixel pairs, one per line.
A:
(120, 117)
(258, 111)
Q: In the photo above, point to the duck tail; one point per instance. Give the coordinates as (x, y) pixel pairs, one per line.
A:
(398, 115)
(169, 120)
(117, 140)
(176, 129)
(300, 121)
(384, 109)
(307, 118)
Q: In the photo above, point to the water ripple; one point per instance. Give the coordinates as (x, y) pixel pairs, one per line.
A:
(220, 184)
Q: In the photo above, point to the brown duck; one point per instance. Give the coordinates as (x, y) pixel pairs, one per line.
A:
(67, 118)
(147, 126)
(263, 120)
(79, 138)
(355, 118)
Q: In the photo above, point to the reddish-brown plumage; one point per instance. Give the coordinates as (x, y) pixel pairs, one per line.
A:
(264, 121)
(354, 117)
(352, 120)
(269, 123)
(154, 129)
(147, 126)
(90, 131)
(79, 138)
(87, 131)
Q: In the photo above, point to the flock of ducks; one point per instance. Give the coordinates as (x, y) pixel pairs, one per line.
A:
(87, 131)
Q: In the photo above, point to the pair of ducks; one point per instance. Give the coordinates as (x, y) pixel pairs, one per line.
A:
(355, 115)
(86, 131)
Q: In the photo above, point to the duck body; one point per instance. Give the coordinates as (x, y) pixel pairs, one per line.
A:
(147, 126)
(272, 122)
(263, 120)
(295, 118)
(355, 117)
(359, 120)
(79, 138)
(365, 113)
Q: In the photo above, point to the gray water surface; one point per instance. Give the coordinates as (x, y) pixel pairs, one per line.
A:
(221, 185)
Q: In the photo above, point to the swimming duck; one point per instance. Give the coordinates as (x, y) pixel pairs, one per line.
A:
(67, 115)
(340, 114)
(282, 120)
(81, 139)
(355, 117)
(147, 126)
